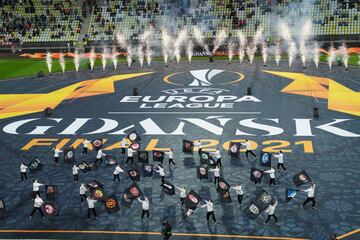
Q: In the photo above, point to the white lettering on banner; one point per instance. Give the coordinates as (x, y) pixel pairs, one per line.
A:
(150, 127)
(303, 127)
(109, 124)
(74, 126)
(183, 99)
(40, 130)
(129, 99)
(148, 99)
(251, 124)
(11, 128)
(160, 105)
(221, 119)
(201, 99)
(194, 105)
(337, 131)
(189, 105)
(208, 126)
(176, 98)
(122, 131)
(227, 105)
(177, 105)
(226, 98)
(144, 106)
(248, 99)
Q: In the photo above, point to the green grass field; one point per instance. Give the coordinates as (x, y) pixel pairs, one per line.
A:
(15, 68)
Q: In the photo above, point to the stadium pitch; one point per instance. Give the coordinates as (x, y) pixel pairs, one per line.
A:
(216, 103)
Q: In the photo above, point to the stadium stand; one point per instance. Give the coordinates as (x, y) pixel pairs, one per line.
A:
(40, 21)
(29, 21)
(329, 17)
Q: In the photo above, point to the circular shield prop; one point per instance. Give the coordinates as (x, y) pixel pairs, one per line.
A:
(133, 136)
(265, 198)
(98, 193)
(202, 171)
(133, 173)
(134, 191)
(265, 158)
(49, 209)
(234, 148)
(50, 189)
(69, 154)
(135, 146)
(111, 161)
(110, 203)
(157, 154)
(34, 165)
(97, 143)
(204, 156)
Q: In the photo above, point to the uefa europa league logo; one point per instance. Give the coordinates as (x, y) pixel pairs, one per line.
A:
(201, 83)
(203, 77)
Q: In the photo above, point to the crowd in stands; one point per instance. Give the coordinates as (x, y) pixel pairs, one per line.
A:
(40, 20)
(61, 20)
(330, 17)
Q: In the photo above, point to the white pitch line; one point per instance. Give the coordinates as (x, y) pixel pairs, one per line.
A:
(184, 112)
